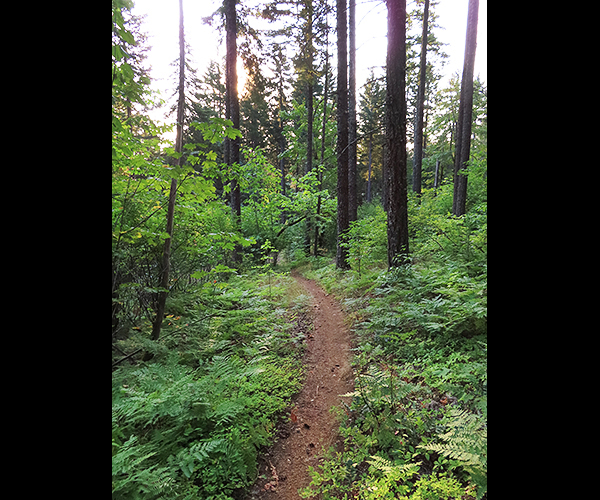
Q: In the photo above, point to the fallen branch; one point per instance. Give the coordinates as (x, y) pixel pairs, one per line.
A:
(126, 357)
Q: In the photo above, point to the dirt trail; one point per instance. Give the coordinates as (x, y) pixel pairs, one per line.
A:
(311, 429)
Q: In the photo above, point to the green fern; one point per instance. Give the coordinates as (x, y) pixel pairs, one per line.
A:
(466, 441)
(395, 480)
(227, 410)
(381, 385)
(132, 474)
(394, 472)
(193, 457)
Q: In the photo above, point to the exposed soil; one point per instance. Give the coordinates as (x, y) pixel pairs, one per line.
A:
(311, 428)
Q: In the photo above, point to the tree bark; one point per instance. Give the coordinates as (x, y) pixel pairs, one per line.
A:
(231, 82)
(341, 258)
(397, 225)
(166, 257)
(418, 156)
(309, 86)
(309, 110)
(465, 113)
(323, 131)
(352, 168)
(370, 162)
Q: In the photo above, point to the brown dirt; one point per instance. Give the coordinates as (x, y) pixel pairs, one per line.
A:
(310, 429)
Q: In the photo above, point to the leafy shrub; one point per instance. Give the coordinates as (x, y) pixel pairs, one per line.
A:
(367, 238)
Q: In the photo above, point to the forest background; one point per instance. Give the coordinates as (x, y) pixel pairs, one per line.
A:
(207, 325)
(161, 20)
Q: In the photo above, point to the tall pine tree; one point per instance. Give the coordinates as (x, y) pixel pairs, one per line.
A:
(418, 158)
(352, 162)
(341, 258)
(233, 112)
(465, 113)
(395, 163)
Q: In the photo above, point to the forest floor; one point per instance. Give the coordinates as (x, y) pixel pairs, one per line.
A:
(311, 428)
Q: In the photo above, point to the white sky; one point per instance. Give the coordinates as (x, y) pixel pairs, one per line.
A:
(162, 26)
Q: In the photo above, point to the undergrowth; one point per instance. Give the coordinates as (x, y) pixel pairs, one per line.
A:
(191, 423)
(416, 427)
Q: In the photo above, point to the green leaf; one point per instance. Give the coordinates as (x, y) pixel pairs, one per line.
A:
(221, 268)
(118, 53)
(126, 36)
(232, 133)
(117, 125)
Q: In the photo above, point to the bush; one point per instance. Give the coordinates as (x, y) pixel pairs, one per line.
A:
(367, 238)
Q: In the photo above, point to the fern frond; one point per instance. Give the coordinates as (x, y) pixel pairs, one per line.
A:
(227, 410)
(201, 450)
(466, 440)
(394, 471)
(186, 458)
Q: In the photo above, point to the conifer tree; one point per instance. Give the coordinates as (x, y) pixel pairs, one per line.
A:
(395, 163)
(372, 118)
(352, 162)
(418, 158)
(465, 113)
(233, 111)
(341, 259)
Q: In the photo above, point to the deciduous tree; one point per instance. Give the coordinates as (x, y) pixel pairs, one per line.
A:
(166, 257)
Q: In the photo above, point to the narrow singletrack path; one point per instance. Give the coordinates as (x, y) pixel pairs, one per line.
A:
(311, 428)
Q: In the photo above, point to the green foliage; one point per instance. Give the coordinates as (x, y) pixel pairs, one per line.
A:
(204, 233)
(367, 238)
(392, 481)
(192, 422)
(466, 441)
(420, 398)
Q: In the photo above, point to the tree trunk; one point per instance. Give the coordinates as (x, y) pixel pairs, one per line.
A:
(166, 257)
(341, 258)
(352, 173)
(370, 162)
(309, 111)
(465, 113)
(309, 87)
(323, 130)
(436, 176)
(309, 156)
(397, 225)
(231, 82)
(418, 156)
(281, 141)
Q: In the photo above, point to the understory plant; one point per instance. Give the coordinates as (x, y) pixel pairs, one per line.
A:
(192, 422)
(416, 423)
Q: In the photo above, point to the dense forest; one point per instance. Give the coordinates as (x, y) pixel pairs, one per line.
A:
(378, 194)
